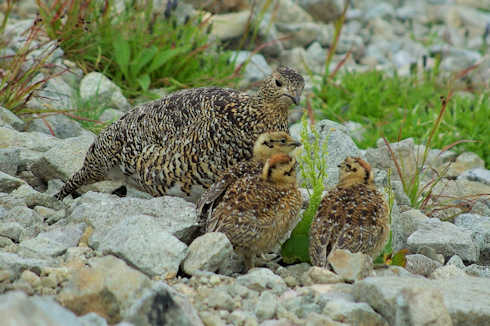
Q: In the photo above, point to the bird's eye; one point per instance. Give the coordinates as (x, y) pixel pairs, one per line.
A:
(283, 141)
(278, 83)
(354, 169)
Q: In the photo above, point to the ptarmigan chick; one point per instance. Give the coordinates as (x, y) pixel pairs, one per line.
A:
(352, 216)
(257, 211)
(187, 138)
(266, 145)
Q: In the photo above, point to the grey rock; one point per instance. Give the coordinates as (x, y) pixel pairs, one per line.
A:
(404, 152)
(479, 226)
(380, 10)
(266, 306)
(456, 261)
(8, 202)
(102, 211)
(162, 305)
(207, 253)
(318, 275)
(478, 174)
(18, 264)
(465, 298)
(355, 129)
(30, 140)
(14, 160)
(96, 85)
(8, 118)
(12, 230)
(64, 159)
(229, 25)
(110, 115)
(5, 242)
(464, 162)
(354, 313)
(105, 285)
(61, 125)
(257, 68)
(350, 266)
(447, 272)
(219, 300)
(17, 308)
(403, 225)
(420, 264)
(239, 317)
(323, 10)
(340, 145)
(148, 247)
(418, 306)
(396, 271)
(55, 242)
(24, 216)
(261, 279)
(92, 319)
(9, 183)
(33, 198)
(445, 238)
(304, 34)
(56, 94)
(478, 270)
(400, 195)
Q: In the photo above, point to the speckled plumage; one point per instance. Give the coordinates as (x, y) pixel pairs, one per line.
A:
(188, 137)
(265, 146)
(353, 215)
(258, 210)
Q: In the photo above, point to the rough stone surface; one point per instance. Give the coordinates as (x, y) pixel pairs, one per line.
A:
(148, 247)
(107, 287)
(17, 263)
(8, 118)
(261, 279)
(207, 253)
(479, 174)
(16, 308)
(354, 313)
(445, 238)
(479, 226)
(349, 266)
(162, 305)
(30, 140)
(103, 211)
(465, 298)
(60, 126)
(55, 242)
(420, 264)
(418, 306)
(97, 86)
(64, 159)
(447, 272)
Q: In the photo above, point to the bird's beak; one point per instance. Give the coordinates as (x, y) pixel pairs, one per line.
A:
(297, 99)
(296, 144)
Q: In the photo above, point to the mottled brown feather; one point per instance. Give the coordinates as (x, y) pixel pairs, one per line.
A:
(353, 216)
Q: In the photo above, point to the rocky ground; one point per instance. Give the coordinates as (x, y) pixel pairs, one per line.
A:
(101, 259)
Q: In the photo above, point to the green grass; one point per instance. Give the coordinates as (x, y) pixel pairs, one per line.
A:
(401, 107)
(313, 169)
(137, 48)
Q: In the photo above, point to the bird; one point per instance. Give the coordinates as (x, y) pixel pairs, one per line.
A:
(188, 136)
(265, 146)
(352, 216)
(258, 210)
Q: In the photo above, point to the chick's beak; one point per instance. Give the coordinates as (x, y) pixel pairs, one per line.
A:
(296, 144)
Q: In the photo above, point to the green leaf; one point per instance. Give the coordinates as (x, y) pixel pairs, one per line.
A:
(161, 58)
(142, 59)
(144, 81)
(122, 53)
(399, 258)
(295, 249)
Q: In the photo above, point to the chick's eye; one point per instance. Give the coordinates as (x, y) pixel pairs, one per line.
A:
(278, 83)
(283, 141)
